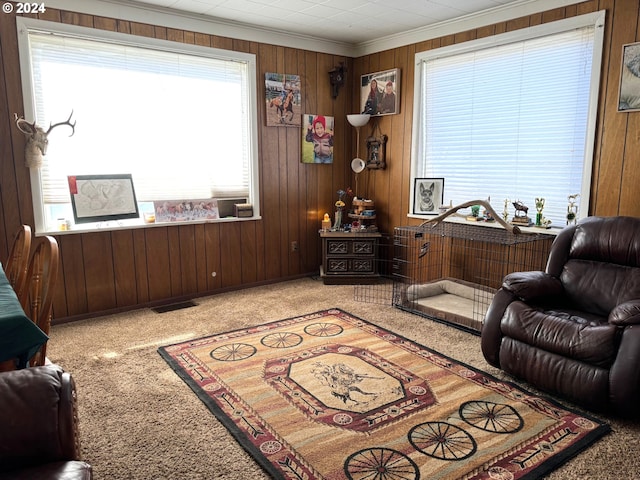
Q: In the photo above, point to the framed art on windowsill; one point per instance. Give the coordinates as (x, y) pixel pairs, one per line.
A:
(100, 198)
(428, 196)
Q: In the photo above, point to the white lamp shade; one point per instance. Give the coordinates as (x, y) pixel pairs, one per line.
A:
(358, 119)
(357, 165)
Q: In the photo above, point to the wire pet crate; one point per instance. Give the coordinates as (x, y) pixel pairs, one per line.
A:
(381, 291)
(450, 272)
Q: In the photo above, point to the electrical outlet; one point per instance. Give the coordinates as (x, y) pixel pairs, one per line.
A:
(294, 246)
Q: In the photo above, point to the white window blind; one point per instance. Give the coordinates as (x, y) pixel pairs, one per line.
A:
(178, 122)
(509, 121)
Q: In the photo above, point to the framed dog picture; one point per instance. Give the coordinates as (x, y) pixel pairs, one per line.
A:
(428, 196)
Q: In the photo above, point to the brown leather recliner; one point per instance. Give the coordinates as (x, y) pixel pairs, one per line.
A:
(39, 426)
(574, 329)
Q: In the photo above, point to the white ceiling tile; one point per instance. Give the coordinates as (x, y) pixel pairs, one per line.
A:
(349, 21)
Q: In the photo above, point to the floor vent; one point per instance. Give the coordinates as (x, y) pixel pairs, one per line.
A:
(174, 306)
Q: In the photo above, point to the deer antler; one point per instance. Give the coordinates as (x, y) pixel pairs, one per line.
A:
(67, 122)
(435, 220)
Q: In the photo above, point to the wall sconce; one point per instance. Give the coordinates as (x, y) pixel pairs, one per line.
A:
(336, 78)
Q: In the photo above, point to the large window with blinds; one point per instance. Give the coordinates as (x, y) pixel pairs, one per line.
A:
(180, 119)
(511, 116)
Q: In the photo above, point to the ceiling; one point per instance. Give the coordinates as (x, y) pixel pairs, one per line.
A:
(345, 21)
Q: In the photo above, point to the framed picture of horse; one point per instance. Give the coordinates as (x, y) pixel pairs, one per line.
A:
(282, 95)
(380, 93)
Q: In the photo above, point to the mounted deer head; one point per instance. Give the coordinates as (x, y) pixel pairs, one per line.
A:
(38, 138)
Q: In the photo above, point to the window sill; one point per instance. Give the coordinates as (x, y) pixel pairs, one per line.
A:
(137, 224)
(553, 231)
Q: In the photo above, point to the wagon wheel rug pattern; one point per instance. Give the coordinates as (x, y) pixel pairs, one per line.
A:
(328, 395)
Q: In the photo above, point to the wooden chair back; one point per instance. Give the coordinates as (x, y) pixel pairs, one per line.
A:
(39, 289)
(18, 261)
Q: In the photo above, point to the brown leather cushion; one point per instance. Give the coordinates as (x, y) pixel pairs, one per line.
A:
(607, 239)
(35, 416)
(598, 287)
(581, 383)
(577, 335)
(73, 470)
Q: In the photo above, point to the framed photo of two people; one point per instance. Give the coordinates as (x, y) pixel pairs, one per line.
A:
(380, 92)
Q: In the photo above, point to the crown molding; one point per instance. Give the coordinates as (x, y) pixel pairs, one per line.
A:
(171, 18)
(464, 23)
(181, 20)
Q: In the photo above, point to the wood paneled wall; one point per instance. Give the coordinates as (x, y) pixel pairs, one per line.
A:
(109, 271)
(105, 271)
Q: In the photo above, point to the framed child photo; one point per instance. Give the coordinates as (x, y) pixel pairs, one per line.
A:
(428, 194)
(380, 93)
(317, 138)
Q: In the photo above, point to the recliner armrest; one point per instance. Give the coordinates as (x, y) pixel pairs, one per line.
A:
(530, 285)
(491, 327)
(38, 417)
(627, 313)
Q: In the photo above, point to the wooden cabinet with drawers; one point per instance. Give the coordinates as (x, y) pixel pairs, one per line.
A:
(349, 258)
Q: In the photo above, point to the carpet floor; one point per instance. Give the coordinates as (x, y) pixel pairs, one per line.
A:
(139, 420)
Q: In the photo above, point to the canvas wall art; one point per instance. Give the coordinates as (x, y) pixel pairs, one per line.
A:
(282, 95)
(380, 92)
(317, 138)
(629, 94)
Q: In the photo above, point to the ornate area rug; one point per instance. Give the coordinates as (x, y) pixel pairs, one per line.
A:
(331, 396)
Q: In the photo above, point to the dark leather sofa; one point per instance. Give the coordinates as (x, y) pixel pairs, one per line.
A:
(39, 426)
(574, 329)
